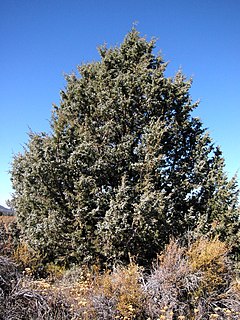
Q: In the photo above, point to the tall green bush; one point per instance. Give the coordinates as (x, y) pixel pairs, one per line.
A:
(125, 167)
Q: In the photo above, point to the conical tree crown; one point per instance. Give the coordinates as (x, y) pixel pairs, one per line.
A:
(126, 166)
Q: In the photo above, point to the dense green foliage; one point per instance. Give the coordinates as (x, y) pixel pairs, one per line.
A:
(126, 166)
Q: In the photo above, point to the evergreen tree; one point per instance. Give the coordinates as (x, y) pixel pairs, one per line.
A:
(126, 166)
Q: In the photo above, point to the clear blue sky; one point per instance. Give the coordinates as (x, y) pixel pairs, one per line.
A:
(41, 40)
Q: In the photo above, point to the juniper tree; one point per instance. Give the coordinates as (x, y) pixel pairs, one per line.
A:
(126, 165)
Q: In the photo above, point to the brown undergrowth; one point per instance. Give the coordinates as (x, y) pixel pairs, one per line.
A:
(194, 282)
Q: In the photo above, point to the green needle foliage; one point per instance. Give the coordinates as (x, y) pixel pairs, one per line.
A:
(126, 166)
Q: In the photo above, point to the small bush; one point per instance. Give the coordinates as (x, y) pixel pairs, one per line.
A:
(171, 284)
(8, 235)
(28, 259)
(211, 259)
(122, 288)
(28, 304)
(8, 276)
(18, 300)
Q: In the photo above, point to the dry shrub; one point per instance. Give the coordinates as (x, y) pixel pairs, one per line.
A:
(116, 294)
(171, 285)
(75, 286)
(211, 258)
(19, 301)
(8, 276)
(27, 258)
(121, 288)
(6, 236)
(217, 295)
(7, 220)
(27, 304)
(5, 244)
(193, 283)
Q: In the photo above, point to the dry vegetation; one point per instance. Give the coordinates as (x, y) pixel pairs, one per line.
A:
(7, 219)
(194, 282)
(6, 241)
